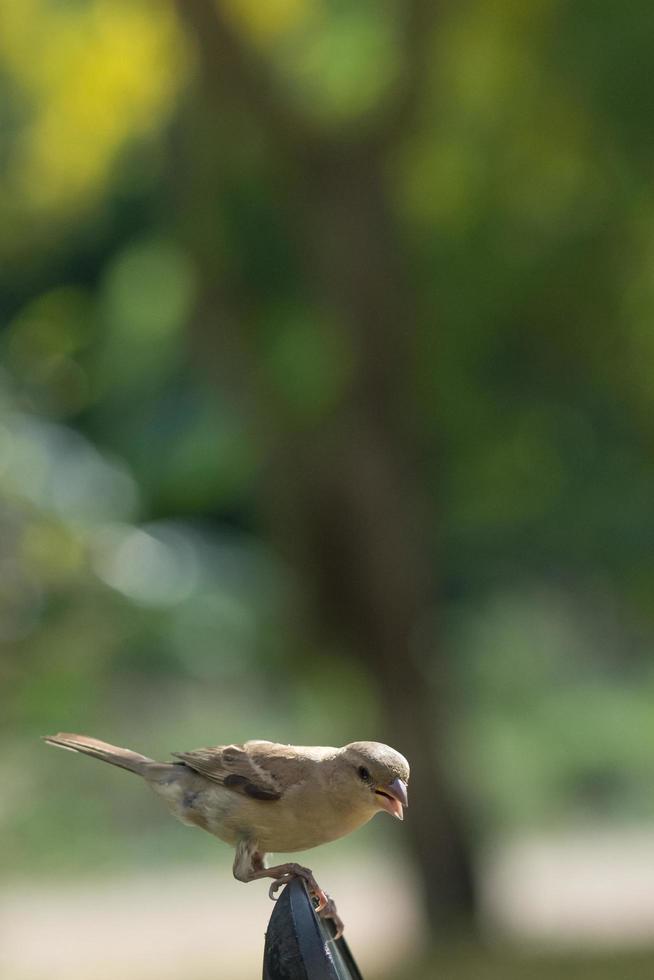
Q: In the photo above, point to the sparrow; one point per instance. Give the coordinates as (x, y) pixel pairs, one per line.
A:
(263, 797)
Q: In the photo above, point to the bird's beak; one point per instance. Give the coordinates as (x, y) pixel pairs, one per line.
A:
(392, 797)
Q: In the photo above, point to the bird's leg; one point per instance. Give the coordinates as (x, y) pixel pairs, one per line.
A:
(249, 865)
(283, 873)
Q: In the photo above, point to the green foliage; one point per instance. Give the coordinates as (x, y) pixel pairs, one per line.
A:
(139, 425)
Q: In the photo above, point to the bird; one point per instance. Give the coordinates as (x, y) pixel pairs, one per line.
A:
(262, 797)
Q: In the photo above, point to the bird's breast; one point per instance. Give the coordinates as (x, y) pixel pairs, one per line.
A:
(304, 817)
(301, 820)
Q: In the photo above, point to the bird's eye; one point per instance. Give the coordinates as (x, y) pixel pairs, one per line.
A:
(363, 772)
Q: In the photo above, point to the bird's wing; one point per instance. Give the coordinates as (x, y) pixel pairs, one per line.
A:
(248, 769)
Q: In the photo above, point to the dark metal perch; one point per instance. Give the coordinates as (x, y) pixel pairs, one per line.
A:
(300, 945)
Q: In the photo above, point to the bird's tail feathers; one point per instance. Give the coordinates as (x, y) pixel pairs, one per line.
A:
(112, 754)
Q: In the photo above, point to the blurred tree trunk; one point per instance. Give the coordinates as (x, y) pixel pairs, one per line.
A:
(343, 498)
(348, 504)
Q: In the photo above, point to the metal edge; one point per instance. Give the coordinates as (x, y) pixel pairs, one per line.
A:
(314, 950)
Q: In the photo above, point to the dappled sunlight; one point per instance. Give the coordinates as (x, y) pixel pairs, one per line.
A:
(143, 567)
(265, 22)
(91, 77)
(56, 469)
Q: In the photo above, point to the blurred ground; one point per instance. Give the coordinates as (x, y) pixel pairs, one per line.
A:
(548, 897)
(473, 963)
(190, 924)
(588, 888)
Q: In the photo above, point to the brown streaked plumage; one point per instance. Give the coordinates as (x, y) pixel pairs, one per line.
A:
(263, 796)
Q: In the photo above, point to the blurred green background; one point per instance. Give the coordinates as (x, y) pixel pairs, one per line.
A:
(327, 413)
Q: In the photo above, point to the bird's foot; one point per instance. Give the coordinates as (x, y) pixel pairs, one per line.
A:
(291, 871)
(329, 912)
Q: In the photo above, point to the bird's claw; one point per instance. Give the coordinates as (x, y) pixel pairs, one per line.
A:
(323, 904)
(277, 884)
(321, 898)
(315, 890)
(329, 912)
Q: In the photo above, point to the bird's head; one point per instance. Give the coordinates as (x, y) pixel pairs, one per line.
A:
(378, 775)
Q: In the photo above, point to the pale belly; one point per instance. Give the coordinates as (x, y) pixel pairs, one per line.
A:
(276, 826)
(287, 831)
